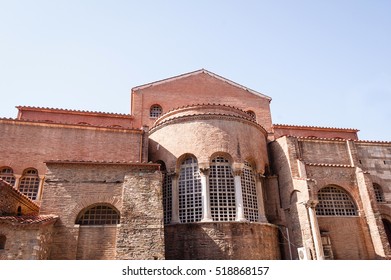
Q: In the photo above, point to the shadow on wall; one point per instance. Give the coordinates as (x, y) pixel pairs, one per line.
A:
(222, 241)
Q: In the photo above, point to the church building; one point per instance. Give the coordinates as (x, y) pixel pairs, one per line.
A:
(196, 170)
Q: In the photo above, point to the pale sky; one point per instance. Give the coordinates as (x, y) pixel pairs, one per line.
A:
(323, 63)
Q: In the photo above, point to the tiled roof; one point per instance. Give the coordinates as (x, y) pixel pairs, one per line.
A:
(70, 124)
(314, 127)
(33, 108)
(28, 220)
(18, 193)
(328, 164)
(136, 163)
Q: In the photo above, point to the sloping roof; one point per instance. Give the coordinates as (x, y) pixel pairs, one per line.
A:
(309, 127)
(71, 111)
(28, 220)
(197, 72)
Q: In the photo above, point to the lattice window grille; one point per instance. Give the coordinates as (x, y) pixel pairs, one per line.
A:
(7, 174)
(189, 187)
(99, 215)
(249, 193)
(29, 183)
(155, 111)
(222, 190)
(167, 197)
(378, 193)
(335, 202)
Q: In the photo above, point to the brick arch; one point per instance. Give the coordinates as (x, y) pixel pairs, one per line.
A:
(381, 183)
(344, 190)
(89, 201)
(221, 154)
(181, 159)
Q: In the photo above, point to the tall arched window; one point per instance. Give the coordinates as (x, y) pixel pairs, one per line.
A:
(222, 190)
(155, 111)
(249, 192)
(99, 214)
(189, 186)
(334, 201)
(29, 183)
(167, 193)
(7, 174)
(378, 193)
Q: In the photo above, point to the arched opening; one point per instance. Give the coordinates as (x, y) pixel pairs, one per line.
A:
(7, 174)
(222, 190)
(29, 183)
(334, 201)
(167, 193)
(387, 228)
(155, 111)
(189, 187)
(378, 193)
(99, 214)
(249, 192)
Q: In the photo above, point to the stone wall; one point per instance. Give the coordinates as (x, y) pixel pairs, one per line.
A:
(222, 241)
(134, 190)
(31, 242)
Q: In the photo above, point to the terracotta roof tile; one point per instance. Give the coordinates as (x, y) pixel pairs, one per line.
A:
(314, 127)
(72, 111)
(17, 192)
(28, 220)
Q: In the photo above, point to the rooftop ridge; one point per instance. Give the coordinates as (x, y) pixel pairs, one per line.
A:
(316, 127)
(34, 108)
(319, 138)
(70, 124)
(198, 72)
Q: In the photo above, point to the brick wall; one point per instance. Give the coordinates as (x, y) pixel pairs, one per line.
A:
(222, 241)
(200, 88)
(134, 190)
(74, 117)
(26, 242)
(29, 144)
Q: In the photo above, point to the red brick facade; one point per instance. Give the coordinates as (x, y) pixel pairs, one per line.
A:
(197, 170)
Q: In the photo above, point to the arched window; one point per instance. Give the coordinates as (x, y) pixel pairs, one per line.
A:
(3, 239)
(29, 183)
(7, 174)
(222, 190)
(155, 111)
(249, 192)
(101, 214)
(334, 201)
(189, 186)
(252, 115)
(167, 193)
(378, 193)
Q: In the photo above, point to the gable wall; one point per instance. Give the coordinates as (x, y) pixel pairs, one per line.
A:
(197, 89)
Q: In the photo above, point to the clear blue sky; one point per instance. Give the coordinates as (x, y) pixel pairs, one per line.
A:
(324, 63)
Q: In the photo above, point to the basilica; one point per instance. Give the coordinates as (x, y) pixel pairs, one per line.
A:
(196, 170)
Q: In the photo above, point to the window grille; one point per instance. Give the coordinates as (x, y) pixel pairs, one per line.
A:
(155, 111)
(249, 193)
(167, 197)
(335, 202)
(222, 190)
(7, 174)
(29, 183)
(190, 198)
(378, 193)
(99, 215)
(252, 115)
